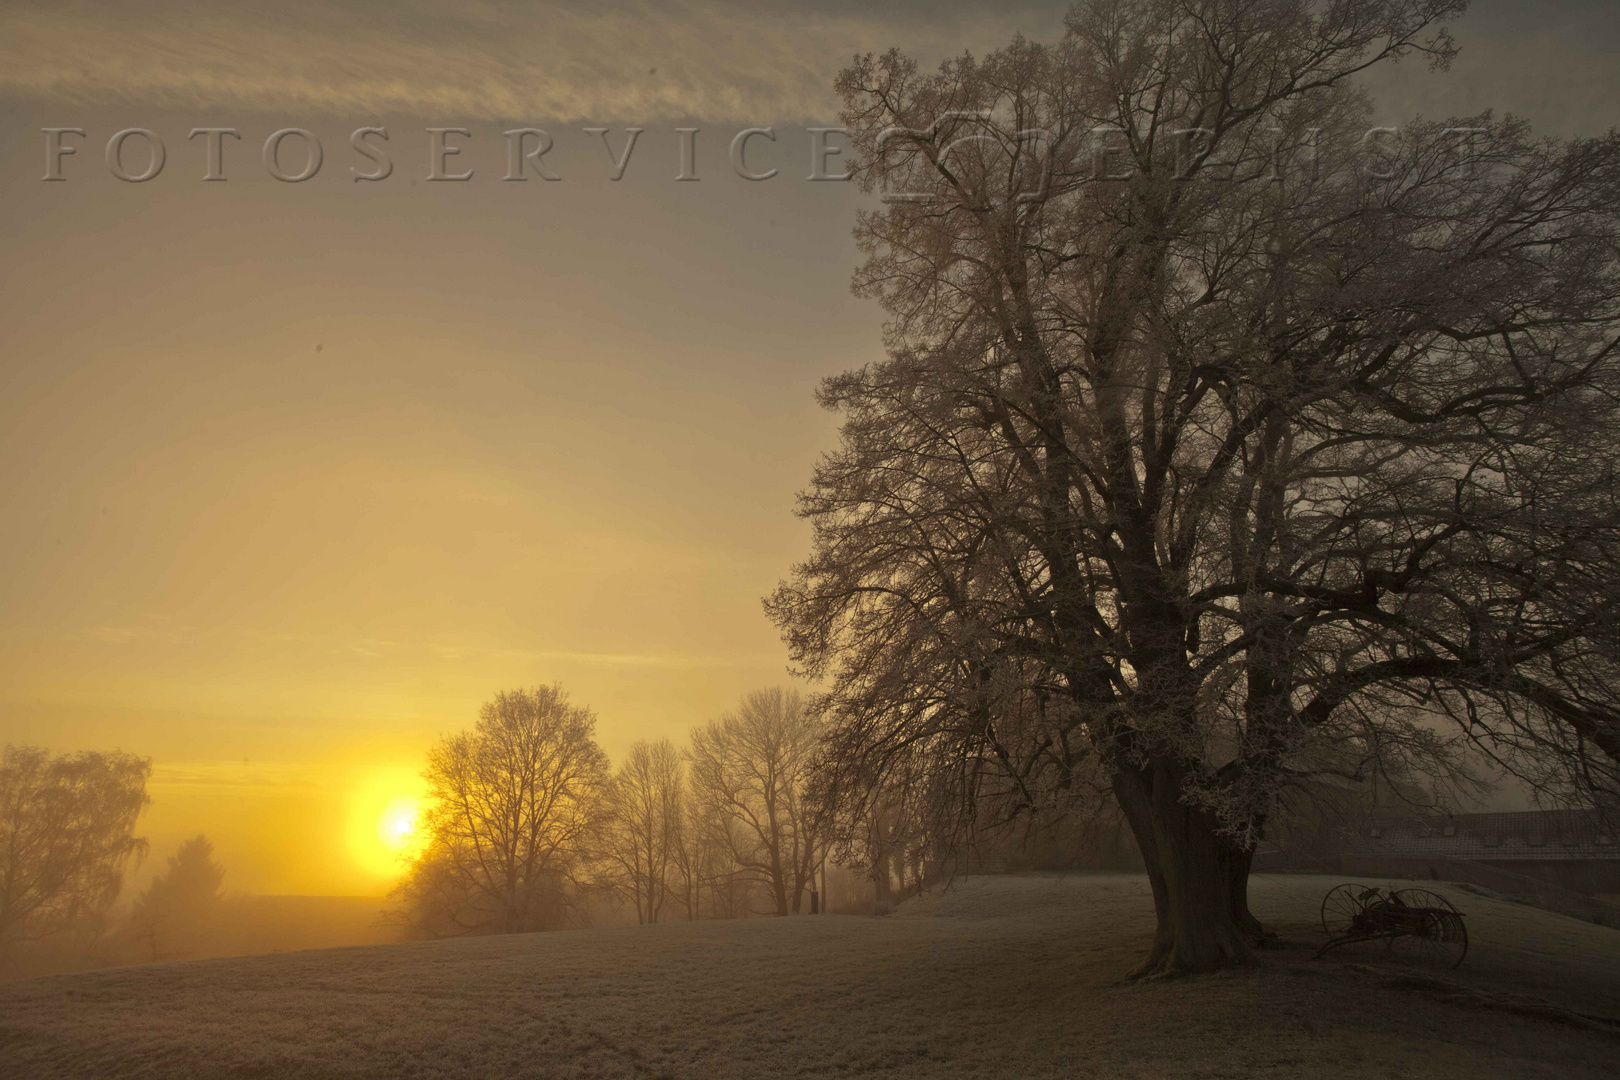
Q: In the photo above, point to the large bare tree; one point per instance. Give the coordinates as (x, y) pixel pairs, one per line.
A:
(67, 829)
(1224, 438)
(511, 806)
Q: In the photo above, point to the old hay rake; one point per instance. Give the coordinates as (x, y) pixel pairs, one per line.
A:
(1415, 923)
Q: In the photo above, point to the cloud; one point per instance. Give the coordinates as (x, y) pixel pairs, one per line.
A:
(235, 776)
(621, 61)
(168, 633)
(648, 61)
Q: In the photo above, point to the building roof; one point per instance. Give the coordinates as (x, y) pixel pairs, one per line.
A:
(1527, 835)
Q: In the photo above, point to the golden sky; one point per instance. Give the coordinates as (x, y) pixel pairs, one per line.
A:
(293, 476)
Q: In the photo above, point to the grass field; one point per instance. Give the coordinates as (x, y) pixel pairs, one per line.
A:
(998, 977)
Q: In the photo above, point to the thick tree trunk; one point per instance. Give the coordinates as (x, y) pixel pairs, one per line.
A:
(1199, 880)
(779, 891)
(1238, 863)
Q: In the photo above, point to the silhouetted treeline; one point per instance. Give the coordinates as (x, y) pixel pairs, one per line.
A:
(528, 829)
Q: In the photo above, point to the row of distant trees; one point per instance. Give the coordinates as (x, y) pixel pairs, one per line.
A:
(528, 825)
(528, 828)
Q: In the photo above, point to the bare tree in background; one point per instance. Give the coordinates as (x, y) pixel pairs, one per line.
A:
(511, 805)
(691, 857)
(66, 837)
(1219, 444)
(713, 885)
(180, 912)
(643, 828)
(750, 767)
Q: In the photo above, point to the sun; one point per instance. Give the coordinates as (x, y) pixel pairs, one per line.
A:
(396, 827)
(385, 812)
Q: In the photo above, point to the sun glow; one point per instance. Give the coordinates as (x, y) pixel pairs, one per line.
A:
(384, 814)
(397, 825)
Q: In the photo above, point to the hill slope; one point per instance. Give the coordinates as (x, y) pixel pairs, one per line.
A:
(999, 977)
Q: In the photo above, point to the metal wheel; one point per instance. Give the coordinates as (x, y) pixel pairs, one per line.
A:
(1341, 906)
(1437, 934)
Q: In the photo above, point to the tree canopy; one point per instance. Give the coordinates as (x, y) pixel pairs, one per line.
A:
(512, 802)
(748, 770)
(67, 833)
(1224, 438)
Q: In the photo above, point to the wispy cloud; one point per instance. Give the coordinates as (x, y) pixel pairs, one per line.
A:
(624, 60)
(297, 776)
(166, 632)
(611, 659)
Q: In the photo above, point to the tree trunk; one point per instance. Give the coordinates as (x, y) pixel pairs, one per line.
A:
(1199, 880)
(880, 875)
(779, 888)
(1238, 863)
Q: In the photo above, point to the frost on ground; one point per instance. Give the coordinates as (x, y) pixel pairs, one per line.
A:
(998, 977)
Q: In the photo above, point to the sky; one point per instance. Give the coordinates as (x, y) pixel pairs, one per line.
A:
(293, 476)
